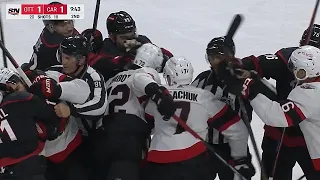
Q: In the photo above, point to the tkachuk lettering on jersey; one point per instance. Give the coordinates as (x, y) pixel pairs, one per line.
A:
(184, 95)
(121, 78)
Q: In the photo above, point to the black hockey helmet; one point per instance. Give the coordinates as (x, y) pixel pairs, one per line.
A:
(120, 22)
(220, 45)
(314, 37)
(76, 45)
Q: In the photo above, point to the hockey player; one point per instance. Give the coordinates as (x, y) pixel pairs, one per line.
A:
(72, 53)
(300, 106)
(125, 126)
(21, 138)
(120, 47)
(275, 66)
(217, 49)
(175, 151)
(44, 51)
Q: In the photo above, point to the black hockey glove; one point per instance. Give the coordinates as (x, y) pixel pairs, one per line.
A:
(161, 96)
(94, 39)
(227, 73)
(244, 167)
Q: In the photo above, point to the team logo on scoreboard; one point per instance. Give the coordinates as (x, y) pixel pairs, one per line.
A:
(14, 11)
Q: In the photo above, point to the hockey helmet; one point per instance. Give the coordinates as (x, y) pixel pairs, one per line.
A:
(178, 70)
(305, 62)
(314, 37)
(120, 22)
(149, 55)
(76, 45)
(220, 45)
(8, 76)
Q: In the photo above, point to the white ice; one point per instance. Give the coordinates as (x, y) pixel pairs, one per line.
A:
(185, 27)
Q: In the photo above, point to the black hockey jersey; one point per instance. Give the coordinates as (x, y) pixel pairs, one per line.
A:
(275, 66)
(45, 49)
(111, 59)
(19, 113)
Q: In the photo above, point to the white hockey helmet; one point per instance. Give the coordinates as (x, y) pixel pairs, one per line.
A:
(178, 70)
(8, 75)
(305, 62)
(149, 55)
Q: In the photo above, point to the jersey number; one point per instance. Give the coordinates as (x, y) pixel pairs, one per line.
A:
(124, 91)
(184, 114)
(5, 127)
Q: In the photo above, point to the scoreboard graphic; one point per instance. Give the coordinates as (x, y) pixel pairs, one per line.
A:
(45, 11)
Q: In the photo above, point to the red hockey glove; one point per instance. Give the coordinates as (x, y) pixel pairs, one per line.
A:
(33, 75)
(47, 89)
(161, 96)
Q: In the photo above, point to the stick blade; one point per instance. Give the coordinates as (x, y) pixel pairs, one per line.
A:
(238, 19)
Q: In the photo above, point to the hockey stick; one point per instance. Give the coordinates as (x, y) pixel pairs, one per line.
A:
(254, 142)
(303, 176)
(311, 23)
(96, 16)
(2, 39)
(234, 26)
(15, 64)
(231, 32)
(277, 155)
(208, 146)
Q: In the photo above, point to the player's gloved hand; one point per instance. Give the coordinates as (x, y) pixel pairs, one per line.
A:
(244, 167)
(47, 89)
(34, 75)
(47, 132)
(161, 96)
(95, 39)
(251, 87)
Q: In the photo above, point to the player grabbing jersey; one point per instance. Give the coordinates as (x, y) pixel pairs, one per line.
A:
(174, 150)
(125, 126)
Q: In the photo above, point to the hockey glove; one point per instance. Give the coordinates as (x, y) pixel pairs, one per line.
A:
(161, 96)
(47, 89)
(253, 86)
(46, 132)
(227, 74)
(94, 39)
(244, 167)
(33, 75)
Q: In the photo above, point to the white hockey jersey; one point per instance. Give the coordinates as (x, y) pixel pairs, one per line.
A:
(301, 107)
(199, 109)
(126, 91)
(91, 109)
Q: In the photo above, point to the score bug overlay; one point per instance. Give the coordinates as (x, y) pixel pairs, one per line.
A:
(45, 11)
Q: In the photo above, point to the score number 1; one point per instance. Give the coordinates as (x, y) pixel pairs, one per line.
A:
(40, 9)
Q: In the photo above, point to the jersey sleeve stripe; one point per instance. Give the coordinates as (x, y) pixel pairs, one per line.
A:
(279, 54)
(293, 115)
(256, 64)
(224, 118)
(94, 104)
(219, 114)
(229, 123)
